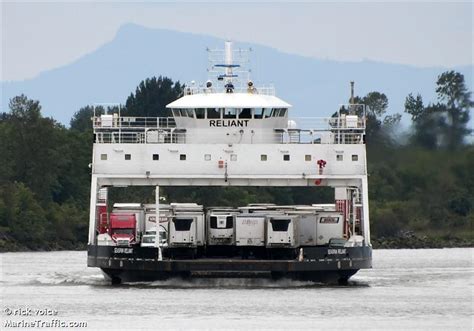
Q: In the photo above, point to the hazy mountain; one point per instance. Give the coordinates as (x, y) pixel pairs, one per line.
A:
(314, 87)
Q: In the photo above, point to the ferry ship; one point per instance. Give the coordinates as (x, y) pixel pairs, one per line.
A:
(229, 132)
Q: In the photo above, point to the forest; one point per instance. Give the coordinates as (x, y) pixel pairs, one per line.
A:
(421, 179)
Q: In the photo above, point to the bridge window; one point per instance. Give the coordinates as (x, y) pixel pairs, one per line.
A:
(355, 157)
(307, 157)
(128, 157)
(267, 112)
(245, 113)
(200, 113)
(230, 113)
(258, 113)
(182, 157)
(263, 157)
(156, 157)
(103, 157)
(176, 113)
(282, 112)
(190, 112)
(339, 157)
(213, 113)
(286, 157)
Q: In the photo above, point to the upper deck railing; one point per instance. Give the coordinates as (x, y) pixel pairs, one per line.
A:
(199, 89)
(153, 130)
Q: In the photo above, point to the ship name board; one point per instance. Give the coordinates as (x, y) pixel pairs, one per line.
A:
(228, 123)
(120, 250)
(337, 251)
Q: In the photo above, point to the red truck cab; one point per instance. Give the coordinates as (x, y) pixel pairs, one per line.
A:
(123, 228)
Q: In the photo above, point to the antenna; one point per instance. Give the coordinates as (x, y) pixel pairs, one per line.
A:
(352, 93)
(226, 65)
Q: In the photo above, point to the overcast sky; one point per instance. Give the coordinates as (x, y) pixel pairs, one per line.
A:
(38, 36)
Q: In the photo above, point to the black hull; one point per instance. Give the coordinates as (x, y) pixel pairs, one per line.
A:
(320, 264)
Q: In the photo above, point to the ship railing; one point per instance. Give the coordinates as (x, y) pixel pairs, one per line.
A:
(108, 122)
(328, 123)
(298, 136)
(263, 89)
(277, 136)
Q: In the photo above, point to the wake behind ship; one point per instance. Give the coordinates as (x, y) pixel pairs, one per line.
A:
(228, 132)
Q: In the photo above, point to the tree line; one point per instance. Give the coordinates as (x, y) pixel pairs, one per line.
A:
(420, 182)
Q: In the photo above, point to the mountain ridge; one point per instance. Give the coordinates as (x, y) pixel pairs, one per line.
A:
(315, 87)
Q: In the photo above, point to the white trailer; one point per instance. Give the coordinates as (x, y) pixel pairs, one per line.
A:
(307, 224)
(282, 231)
(330, 225)
(220, 226)
(183, 211)
(183, 231)
(250, 230)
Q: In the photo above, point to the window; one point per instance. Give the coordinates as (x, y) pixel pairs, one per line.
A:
(245, 113)
(307, 157)
(213, 113)
(207, 157)
(230, 113)
(156, 157)
(267, 112)
(339, 157)
(355, 157)
(148, 240)
(263, 157)
(286, 157)
(233, 157)
(176, 113)
(182, 224)
(190, 112)
(282, 112)
(182, 157)
(128, 157)
(258, 112)
(280, 225)
(103, 157)
(200, 113)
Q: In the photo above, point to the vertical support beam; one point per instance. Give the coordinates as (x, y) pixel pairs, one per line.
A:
(157, 209)
(365, 209)
(93, 211)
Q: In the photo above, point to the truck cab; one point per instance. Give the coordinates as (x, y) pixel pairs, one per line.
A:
(123, 228)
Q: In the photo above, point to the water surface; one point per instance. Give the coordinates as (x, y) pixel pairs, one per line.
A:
(407, 289)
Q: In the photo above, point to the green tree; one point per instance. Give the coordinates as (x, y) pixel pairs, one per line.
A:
(457, 104)
(443, 124)
(34, 147)
(82, 119)
(151, 97)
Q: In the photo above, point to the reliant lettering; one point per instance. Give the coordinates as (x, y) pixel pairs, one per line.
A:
(228, 123)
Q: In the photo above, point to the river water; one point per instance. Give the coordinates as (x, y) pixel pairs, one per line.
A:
(422, 289)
